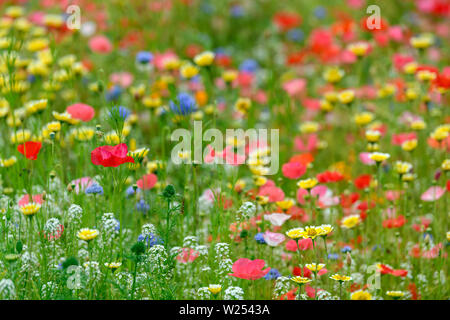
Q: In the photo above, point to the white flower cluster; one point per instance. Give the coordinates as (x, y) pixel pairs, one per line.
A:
(282, 286)
(7, 289)
(246, 211)
(222, 251)
(233, 293)
(74, 214)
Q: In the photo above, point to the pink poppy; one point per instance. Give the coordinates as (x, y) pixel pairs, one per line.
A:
(293, 170)
(100, 44)
(273, 239)
(37, 198)
(123, 79)
(248, 269)
(294, 87)
(303, 245)
(277, 219)
(432, 194)
(81, 111)
(274, 193)
(400, 138)
(81, 184)
(311, 143)
(147, 181)
(187, 255)
(364, 157)
(160, 59)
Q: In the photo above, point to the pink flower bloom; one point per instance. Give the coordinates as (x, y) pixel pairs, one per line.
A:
(187, 255)
(81, 184)
(293, 170)
(248, 269)
(277, 219)
(100, 44)
(294, 87)
(37, 198)
(274, 193)
(123, 79)
(148, 181)
(364, 157)
(400, 138)
(432, 194)
(81, 111)
(303, 245)
(311, 143)
(273, 239)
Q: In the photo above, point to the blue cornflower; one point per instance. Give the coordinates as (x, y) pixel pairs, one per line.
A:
(150, 240)
(120, 111)
(346, 249)
(144, 57)
(130, 191)
(259, 237)
(272, 274)
(117, 228)
(94, 189)
(141, 206)
(249, 65)
(320, 12)
(295, 35)
(113, 93)
(333, 256)
(185, 104)
(237, 11)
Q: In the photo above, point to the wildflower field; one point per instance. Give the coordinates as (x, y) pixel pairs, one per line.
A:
(224, 149)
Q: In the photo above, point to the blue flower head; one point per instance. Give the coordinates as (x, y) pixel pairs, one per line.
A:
(333, 256)
(272, 274)
(130, 191)
(320, 12)
(150, 240)
(249, 65)
(296, 35)
(185, 104)
(144, 57)
(346, 249)
(120, 111)
(141, 206)
(237, 11)
(113, 93)
(259, 237)
(117, 228)
(94, 189)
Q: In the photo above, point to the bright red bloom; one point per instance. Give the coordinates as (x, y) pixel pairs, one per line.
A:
(329, 176)
(384, 269)
(248, 269)
(111, 156)
(363, 181)
(287, 20)
(30, 149)
(394, 222)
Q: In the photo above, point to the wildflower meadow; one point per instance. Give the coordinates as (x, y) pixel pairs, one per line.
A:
(224, 150)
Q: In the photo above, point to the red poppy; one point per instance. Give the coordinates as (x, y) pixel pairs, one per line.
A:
(30, 149)
(274, 193)
(111, 156)
(394, 222)
(329, 176)
(148, 181)
(287, 20)
(363, 181)
(81, 111)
